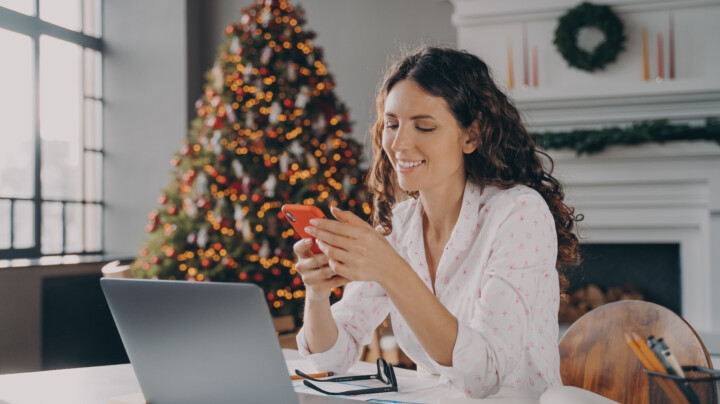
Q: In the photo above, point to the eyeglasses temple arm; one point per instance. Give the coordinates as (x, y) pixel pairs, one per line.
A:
(335, 379)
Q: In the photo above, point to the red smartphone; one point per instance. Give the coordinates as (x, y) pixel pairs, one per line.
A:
(299, 217)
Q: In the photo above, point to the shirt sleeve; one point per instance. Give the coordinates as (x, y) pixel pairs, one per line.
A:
(511, 338)
(363, 307)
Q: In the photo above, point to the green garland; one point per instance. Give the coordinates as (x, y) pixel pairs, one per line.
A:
(594, 141)
(586, 15)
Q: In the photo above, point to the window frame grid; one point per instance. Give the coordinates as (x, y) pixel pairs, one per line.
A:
(33, 27)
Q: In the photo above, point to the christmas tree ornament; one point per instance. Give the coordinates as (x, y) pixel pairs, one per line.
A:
(249, 119)
(302, 98)
(232, 118)
(239, 216)
(218, 77)
(246, 185)
(246, 231)
(190, 207)
(238, 168)
(201, 183)
(346, 184)
(269, 186)
(245, 19)
(311, 160)
(291, 74)
(296, 149)
(265, 55)
(215, 141)
(235, 45)
(284, 162)
(275, 111)
(264, 251)
(248, 72)
(202, 237)
(319, 125)
(191, 238)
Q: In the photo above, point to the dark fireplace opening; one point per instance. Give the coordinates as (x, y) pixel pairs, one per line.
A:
(628, 270)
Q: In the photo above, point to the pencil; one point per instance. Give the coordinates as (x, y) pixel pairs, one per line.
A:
(326, 374)
(671, 389)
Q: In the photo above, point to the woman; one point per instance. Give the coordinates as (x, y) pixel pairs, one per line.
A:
(470, 265)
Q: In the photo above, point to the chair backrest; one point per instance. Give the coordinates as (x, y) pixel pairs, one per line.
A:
(595, 356)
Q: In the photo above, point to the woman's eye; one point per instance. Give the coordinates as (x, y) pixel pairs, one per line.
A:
(426, 129)
(390, 126)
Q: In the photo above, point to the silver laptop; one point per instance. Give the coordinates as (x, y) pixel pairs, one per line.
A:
(201, 342)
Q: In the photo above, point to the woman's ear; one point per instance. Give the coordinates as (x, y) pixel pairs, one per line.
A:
(471, 137)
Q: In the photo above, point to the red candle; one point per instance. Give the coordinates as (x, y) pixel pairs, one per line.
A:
(535, 65)
(671, 48)
(660, 59)
(526, 70)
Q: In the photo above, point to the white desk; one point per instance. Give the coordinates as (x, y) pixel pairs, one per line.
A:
(96, 385)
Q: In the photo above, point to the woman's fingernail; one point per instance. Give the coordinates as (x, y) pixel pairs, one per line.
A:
(314, 221)
(308, 241)
(308, 229)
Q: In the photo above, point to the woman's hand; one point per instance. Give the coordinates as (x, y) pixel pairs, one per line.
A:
(354, 249)
(317, 276)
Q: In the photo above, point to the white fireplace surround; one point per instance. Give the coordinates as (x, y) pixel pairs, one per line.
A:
(649, 193)
(655, 194)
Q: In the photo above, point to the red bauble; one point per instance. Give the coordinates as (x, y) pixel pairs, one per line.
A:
(255, 198)
(264, 71)
(155, 259)
(221, 157)
(162, 199)
(171, 210)
(271, 296)
(296, 281)
(170, 253)
(275, 272)
(205, 262)
(144, 251)
(256, 246)
(312, 80)
(243, 276)
(175, 162)
(288, 103)
(217, 246)
(221, 179)
(258, 277)
(268, 163)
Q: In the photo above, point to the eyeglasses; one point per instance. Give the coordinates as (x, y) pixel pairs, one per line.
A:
(385, 374)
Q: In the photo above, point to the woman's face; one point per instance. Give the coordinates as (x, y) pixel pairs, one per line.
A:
(422, 138)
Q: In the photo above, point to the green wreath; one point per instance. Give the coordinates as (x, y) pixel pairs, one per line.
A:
(590, 15)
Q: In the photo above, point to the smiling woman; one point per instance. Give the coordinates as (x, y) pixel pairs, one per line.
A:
(470, 242)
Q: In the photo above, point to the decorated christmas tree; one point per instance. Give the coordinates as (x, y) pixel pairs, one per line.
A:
(269, 131)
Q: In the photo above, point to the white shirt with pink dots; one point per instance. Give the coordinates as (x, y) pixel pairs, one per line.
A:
(496, 275)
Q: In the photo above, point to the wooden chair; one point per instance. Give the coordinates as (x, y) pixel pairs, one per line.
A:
(595, 356)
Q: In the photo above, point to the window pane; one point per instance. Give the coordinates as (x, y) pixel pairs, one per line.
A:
(65, 13)
(24, 224)
(93, 227)
(17, 154)
(60, 104)
(52, 231)
(4, 224)
(93, 124)
(93, 73)
(92, 17)
(21, 6)
(93, 176)
(74, 227)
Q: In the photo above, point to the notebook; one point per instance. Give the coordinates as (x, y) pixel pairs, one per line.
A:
(201, 342)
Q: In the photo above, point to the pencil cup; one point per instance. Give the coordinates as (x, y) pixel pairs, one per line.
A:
(699, 386)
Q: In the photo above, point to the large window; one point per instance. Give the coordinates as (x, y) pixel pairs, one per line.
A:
(51, 150)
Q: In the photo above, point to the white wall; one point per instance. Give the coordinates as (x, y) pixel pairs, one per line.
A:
(145, 73)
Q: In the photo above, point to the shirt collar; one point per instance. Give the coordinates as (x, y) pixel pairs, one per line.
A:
(465, 228)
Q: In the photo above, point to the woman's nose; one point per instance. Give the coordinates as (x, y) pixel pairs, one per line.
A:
(402, 139)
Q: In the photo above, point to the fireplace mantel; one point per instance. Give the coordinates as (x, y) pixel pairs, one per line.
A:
(566, 97)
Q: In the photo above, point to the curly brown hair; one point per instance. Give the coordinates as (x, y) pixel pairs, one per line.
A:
(506, 154)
